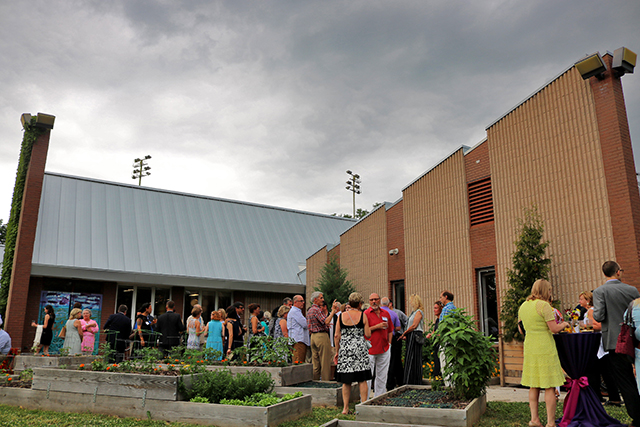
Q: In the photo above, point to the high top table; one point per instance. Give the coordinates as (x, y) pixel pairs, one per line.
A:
(577, 352)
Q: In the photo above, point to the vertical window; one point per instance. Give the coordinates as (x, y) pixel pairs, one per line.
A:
(488, 302)
(398, 295)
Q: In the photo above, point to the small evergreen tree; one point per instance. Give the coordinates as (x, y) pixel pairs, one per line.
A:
(529, 264)
(333, 282)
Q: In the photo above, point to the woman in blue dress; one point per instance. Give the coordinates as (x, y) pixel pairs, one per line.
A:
(214, 334)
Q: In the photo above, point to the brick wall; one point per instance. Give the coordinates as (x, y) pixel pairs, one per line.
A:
(395, 240)
(17, 320)
(620, 173)
(482, 237)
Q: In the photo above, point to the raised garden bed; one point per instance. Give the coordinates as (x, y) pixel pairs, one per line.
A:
(145, 408)
(156, 387)
(374, 410)
(282, 376)
(29, 361)
(324, 393)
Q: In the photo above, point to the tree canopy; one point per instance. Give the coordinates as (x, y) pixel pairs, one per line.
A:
(333, 282)
(529, 263)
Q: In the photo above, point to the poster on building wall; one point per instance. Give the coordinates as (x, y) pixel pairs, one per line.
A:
(62, 302)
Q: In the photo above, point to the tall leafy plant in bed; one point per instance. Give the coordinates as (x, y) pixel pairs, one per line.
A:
(529, 263)
(470, 355)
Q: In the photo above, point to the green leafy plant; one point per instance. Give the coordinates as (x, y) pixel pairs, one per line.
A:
(269, 351)
(64, 352)
(221, 384)
(529, 263)
(470, 355)
(31, 134)
(261, 399)
(199, 399)
(176, 353)
(26, 375)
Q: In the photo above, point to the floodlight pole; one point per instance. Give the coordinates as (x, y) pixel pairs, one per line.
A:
(141, 169)
(353, 185)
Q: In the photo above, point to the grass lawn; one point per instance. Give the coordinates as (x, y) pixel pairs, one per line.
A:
(499, 414)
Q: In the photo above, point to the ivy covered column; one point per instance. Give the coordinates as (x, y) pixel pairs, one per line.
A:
(22, 226)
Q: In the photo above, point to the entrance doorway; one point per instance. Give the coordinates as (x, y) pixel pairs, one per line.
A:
(488, 302)
(398, 295)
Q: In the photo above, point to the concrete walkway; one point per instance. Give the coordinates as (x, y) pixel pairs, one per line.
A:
(495, 393)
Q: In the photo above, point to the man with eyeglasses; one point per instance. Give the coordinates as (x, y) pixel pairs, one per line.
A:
(610, 301)
(379, 353)
(298, 330)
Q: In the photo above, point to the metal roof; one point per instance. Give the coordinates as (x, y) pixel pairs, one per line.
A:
(101, 230)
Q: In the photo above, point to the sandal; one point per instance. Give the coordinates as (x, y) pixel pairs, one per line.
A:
(532, 424)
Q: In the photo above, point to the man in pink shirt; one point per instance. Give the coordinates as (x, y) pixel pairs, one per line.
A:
(381, 333)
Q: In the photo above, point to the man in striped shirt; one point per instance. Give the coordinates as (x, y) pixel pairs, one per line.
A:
(318, 322)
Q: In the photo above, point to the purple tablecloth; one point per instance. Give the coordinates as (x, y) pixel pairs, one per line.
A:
(577, 354)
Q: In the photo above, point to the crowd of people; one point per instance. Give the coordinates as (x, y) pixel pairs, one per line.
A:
(354, 341)
(604, 309)
(361, 341)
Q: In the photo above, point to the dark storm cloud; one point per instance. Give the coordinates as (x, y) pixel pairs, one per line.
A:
(272, 101)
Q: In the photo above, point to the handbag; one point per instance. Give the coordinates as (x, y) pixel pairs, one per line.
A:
(419, 337)
(626, 338)
(63, 332)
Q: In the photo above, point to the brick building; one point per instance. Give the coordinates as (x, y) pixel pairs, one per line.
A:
(565, 149)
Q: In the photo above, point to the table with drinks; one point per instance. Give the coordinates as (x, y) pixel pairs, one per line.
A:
(578, 351)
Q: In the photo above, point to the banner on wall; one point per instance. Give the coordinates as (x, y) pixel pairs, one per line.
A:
(62, 303)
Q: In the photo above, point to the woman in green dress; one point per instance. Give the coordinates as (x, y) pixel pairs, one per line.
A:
(541, 366)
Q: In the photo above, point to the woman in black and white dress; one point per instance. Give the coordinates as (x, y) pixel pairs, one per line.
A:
(352, 352)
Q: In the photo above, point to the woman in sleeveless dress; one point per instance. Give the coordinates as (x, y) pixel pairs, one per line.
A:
(143, 331)
(89, 329)
(214, 333)
(73, 332)
(352, 353)
(234, 331)
(541, 365)
(415, 335)
(47, 329)
(195, 329)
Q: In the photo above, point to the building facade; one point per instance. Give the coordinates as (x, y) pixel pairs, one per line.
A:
(104, 244)
(566, 150)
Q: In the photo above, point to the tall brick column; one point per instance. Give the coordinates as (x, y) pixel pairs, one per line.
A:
(620, 172)
(17, 323)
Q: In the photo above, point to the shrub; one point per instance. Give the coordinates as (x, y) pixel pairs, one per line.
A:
(470, 356)
(220, 384)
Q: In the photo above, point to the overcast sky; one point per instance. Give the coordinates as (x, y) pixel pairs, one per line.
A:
(272, 101)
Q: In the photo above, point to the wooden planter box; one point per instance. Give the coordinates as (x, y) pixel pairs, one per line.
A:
(466, 417)
(187, 412)
(511, 362)
(155, 387)
(323, 396)
(29, 361)
(282, 376)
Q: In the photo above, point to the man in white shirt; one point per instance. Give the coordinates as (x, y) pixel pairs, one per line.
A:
(298, 330)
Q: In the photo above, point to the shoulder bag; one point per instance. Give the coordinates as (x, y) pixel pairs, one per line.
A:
(625, 344)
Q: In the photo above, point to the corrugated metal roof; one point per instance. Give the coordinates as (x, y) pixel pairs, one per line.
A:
(102, 230)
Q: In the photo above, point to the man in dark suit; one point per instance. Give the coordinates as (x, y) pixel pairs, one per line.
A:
(609, 304)
(170, 326)
(119, 326)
